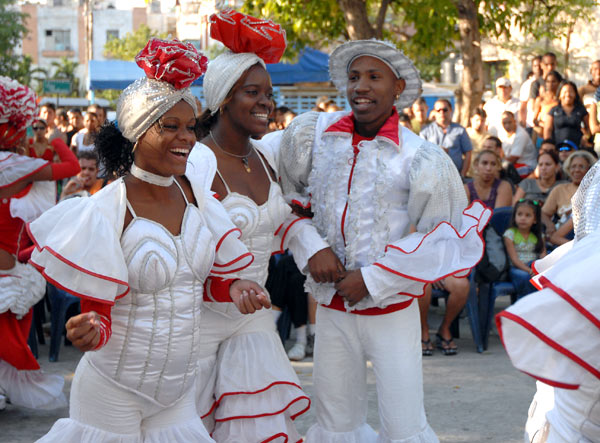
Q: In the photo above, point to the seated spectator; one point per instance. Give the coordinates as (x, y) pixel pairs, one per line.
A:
(283, 116)
(525, 110)
(501, 103)
(477, 131)
(565, 121)
(486, 186)
(323, 102)
(545, 101)
(84, 140)
(420, 111)
(539, 188)
(100, 113)
(517, 145)
(459, 293)
(450, 136)
(565, 149)
(405, 121)
(85, 183)
(75, 123)
(587, 91)
(62, 121)
(524, 244)
(557, 207)
(507, 170)
(547, 145)
(48, 114)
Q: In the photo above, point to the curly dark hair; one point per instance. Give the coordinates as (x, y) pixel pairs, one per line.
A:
(114, 150)
(204, 123)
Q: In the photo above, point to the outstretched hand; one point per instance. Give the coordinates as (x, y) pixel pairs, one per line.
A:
(248, 296)
(326, 267)
(352, 287)
(83, 331)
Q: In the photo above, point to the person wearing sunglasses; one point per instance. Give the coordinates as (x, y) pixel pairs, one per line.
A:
(450, 136)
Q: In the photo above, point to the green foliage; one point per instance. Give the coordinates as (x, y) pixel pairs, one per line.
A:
(12, 31)
(112, 95)
(126, 48)
(65, 69)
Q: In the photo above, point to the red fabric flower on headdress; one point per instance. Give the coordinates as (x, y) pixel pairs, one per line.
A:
(244, 33)
(172, 61)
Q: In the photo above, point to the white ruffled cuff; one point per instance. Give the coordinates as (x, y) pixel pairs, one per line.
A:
(20, 288)
(409, 264)
(302, 239)
(40, 198)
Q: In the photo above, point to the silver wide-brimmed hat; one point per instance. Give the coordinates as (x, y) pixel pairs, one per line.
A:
(343, 56)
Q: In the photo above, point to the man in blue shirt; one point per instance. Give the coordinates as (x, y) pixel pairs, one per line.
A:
(451, 137)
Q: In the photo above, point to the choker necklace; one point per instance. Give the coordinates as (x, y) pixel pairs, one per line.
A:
(244, 157)
(151, 178)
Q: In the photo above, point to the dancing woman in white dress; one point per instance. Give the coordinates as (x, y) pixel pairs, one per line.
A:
(139, 253)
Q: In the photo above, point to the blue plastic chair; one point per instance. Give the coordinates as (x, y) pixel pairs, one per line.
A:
(500, 221)
(472, 312)
(60, 302)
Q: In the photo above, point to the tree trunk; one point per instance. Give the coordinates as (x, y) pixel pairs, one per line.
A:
(567, 49)
(471, 88)
(357, 19)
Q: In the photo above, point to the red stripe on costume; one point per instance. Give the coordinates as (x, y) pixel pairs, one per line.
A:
(337, 303)
(218, 401)
(218, 288)
(281, 250)
(25, 176)
(226, 235)
(42, 271)
(553, 383)
(545, 283)
(268, 414)
(547, 340)
(228, 271)
(356, 151)
(73, 265)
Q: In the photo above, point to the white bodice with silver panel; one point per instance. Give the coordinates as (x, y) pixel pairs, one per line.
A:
(154, 345)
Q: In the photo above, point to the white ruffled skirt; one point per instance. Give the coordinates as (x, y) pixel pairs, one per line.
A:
(20, 288)
(364, 434)
(103, 411)
(249, 391)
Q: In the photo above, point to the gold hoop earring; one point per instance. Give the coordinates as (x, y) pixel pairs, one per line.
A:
(134, 147)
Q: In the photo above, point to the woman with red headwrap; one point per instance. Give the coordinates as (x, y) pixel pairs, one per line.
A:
(138, 254)
(254, 394)
(26, 190)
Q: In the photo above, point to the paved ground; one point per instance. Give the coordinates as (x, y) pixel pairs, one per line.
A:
(469, 397)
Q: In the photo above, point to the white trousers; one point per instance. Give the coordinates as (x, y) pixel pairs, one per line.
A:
(344, 343)
(101, 411)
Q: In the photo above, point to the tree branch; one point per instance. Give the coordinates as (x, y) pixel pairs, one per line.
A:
(381, 18)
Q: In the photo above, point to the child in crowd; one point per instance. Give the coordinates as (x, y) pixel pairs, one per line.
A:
(524, 244)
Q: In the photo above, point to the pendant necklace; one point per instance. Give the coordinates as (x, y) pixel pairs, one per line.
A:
(244, 157)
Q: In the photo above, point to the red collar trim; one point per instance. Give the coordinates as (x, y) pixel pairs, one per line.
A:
(389, 130)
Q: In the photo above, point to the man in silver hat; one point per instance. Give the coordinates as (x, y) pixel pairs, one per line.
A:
(369, 182)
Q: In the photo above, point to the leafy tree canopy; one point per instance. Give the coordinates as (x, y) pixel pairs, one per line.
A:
(126, 48)
(12, 32)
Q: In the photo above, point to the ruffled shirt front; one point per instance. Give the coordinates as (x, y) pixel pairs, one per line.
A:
(364, 201)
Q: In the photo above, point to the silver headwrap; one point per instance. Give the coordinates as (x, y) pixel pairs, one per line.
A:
(586, 204)
(144, 101)
(343, 56)
(223, 72)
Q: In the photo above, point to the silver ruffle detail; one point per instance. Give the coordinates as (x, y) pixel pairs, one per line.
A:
(146, 100)
(586, 204)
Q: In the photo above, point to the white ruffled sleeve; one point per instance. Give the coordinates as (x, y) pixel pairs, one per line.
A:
(231, 255)
(554, 334)
(448, 240)
(293, 148)
(77, 245)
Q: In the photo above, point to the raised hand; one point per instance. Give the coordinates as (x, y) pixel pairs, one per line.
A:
(326, 267)
(248, 296)
(84, 331)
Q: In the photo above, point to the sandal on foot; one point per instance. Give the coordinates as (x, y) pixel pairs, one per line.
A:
(445, 345)
(427, 348)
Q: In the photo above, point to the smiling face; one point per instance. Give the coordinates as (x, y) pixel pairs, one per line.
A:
(251, 102)
(371, 91)
(567, 95)
(164, 148)
(578, 168)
